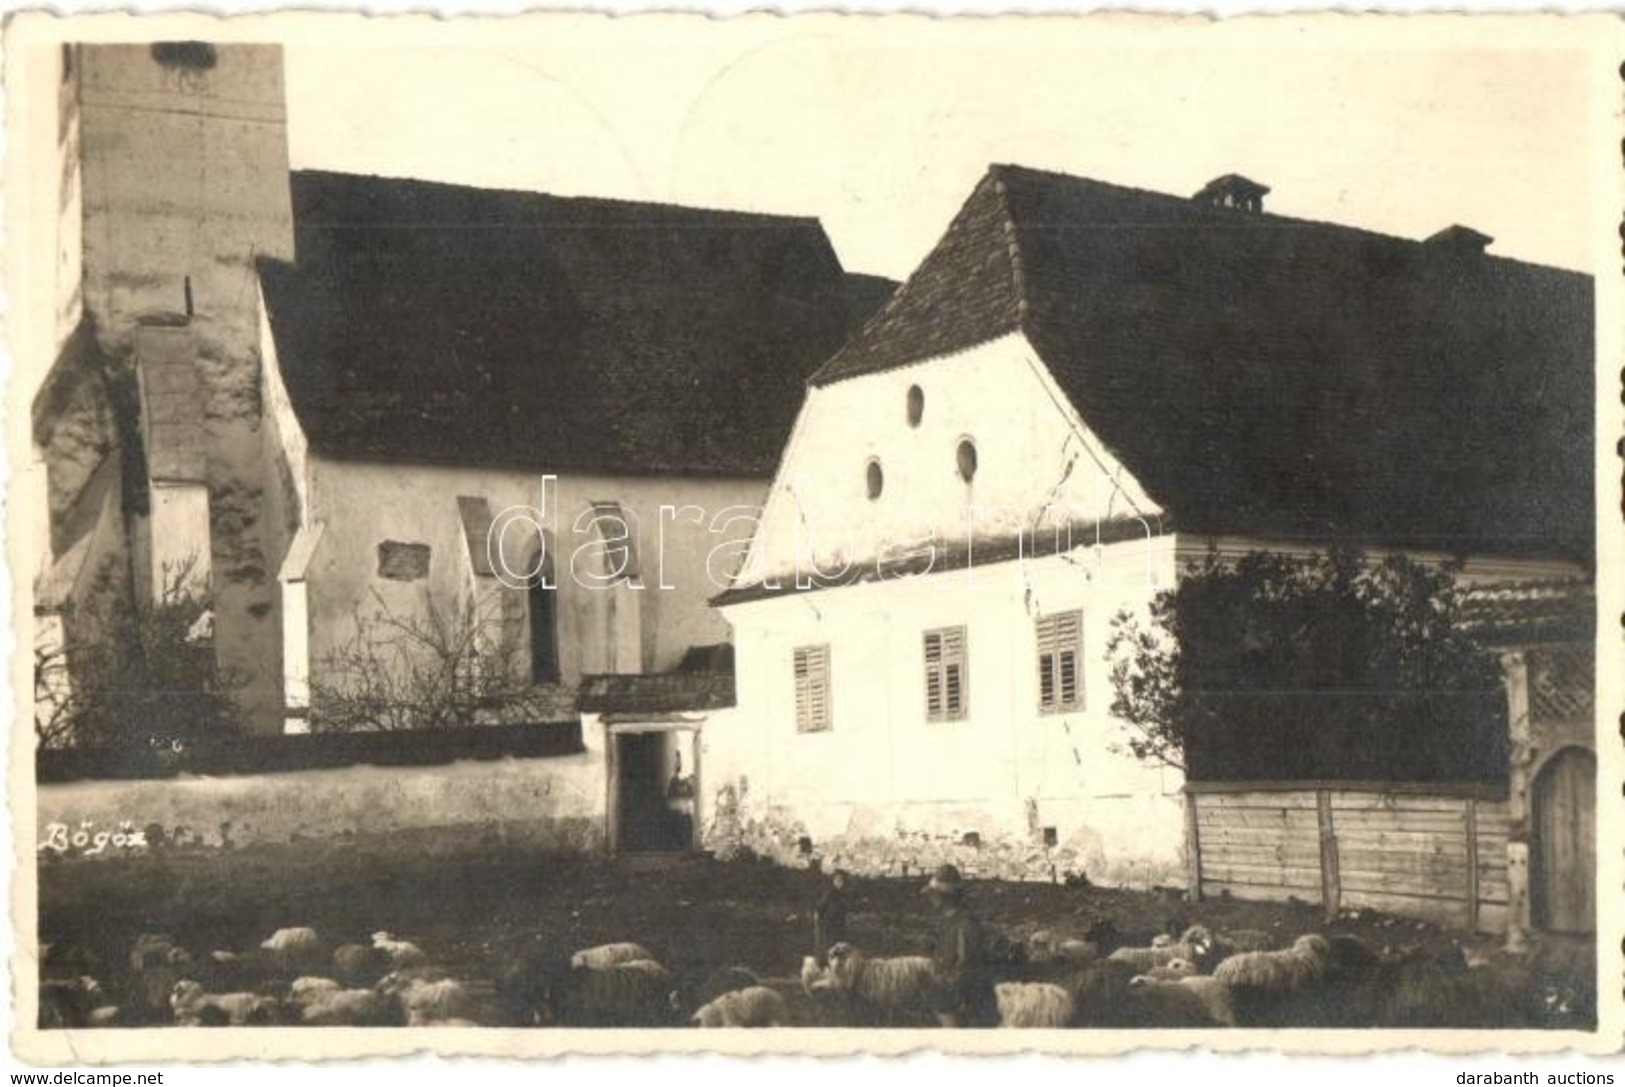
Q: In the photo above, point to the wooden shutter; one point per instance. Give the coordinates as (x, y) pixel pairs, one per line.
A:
(1060, 653)
(945, 674)
(812, 688)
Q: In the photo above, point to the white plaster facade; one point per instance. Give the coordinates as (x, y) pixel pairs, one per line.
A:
(1060, 788)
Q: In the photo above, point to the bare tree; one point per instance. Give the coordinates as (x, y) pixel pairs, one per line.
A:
(438, 667)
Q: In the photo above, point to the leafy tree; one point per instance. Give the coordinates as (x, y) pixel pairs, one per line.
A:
(1330, 667)
(134, 673)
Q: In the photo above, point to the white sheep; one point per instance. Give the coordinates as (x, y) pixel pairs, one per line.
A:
(606, 955)
(401, 952)
(1193, 945)
(304, 989)
(360, 964)
(429, 1003)
(1195, 1000)
(291, 947)
(1173, 970)
(350, 1008)
(811, 973)
(1277, 973)
(1046, 947)
(1024, 1004)
(755, 1006)
(626, 993)
(905, 983)
(193, 1006)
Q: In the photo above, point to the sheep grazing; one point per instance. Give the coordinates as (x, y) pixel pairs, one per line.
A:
(1100, 992)
(636, 993)
(1046, 947)
(306, 988)
(361, 965)
(194, 1007)
(429, 1003)
(1191, 1001)
(889, 988)
(727, 979)
(350, 1008)
(401, 953)
(755, 1006)
(1173, 971)
(606, 955)
(1193, 945)
(292, 948)
(1033, 1005)
(811, 974)
(1277, 973)
(74, 1002)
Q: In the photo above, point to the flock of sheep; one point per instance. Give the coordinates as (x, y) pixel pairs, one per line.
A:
(1199, 978)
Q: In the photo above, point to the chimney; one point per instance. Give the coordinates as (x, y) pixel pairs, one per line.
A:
(1458, 241)
(1233, 191)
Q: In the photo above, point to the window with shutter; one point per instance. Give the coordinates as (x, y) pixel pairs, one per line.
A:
(1060, 656)
(812, 688)
(945, 674)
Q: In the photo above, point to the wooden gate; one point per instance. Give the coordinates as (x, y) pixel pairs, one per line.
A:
(1564, 874)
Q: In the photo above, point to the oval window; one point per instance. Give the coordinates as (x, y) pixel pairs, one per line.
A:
(875, 478)
(916, 405)
(966, 455)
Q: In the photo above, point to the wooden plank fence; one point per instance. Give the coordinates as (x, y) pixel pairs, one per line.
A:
(1434, 852)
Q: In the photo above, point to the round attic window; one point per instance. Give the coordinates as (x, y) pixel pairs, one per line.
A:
(875, 479)
(966, 456)
(916, 405)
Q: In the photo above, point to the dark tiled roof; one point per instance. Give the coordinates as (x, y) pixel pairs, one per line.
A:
(1266, 375)
(439, 323)
(664, 692)
(1531, 612)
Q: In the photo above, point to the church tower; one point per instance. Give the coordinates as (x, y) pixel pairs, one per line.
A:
(174, 181)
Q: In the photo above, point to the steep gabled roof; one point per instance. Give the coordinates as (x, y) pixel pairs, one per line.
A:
(1266, 375)
(441, 323)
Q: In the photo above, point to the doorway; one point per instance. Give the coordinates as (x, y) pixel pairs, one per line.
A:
(653, 787)
(1563, 881)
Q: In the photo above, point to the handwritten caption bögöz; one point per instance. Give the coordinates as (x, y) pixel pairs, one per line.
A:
(86, 839)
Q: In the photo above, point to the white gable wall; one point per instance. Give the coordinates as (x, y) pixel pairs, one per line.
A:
(884, 784)
(1033, 454)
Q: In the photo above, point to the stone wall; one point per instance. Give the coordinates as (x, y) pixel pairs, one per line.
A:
(737, 825)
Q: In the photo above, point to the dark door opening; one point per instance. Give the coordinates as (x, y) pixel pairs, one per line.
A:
(654, 792)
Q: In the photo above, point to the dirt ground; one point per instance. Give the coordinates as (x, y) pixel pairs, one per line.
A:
(474, 911)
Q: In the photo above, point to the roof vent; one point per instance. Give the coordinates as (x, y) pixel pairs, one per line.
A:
(1233, 191)
(1459, 240)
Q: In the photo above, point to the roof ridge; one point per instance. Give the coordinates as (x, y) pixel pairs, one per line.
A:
(507, 190)
(1012, 242)
(1040, 174)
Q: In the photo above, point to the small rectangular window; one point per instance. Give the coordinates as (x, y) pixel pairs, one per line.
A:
(945, 674)
(1060, 658)
(403, 561)
(812, 688)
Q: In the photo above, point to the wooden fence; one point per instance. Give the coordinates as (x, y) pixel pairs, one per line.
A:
(1435, 852)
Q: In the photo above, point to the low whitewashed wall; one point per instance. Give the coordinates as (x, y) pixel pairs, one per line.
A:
(552, 802)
